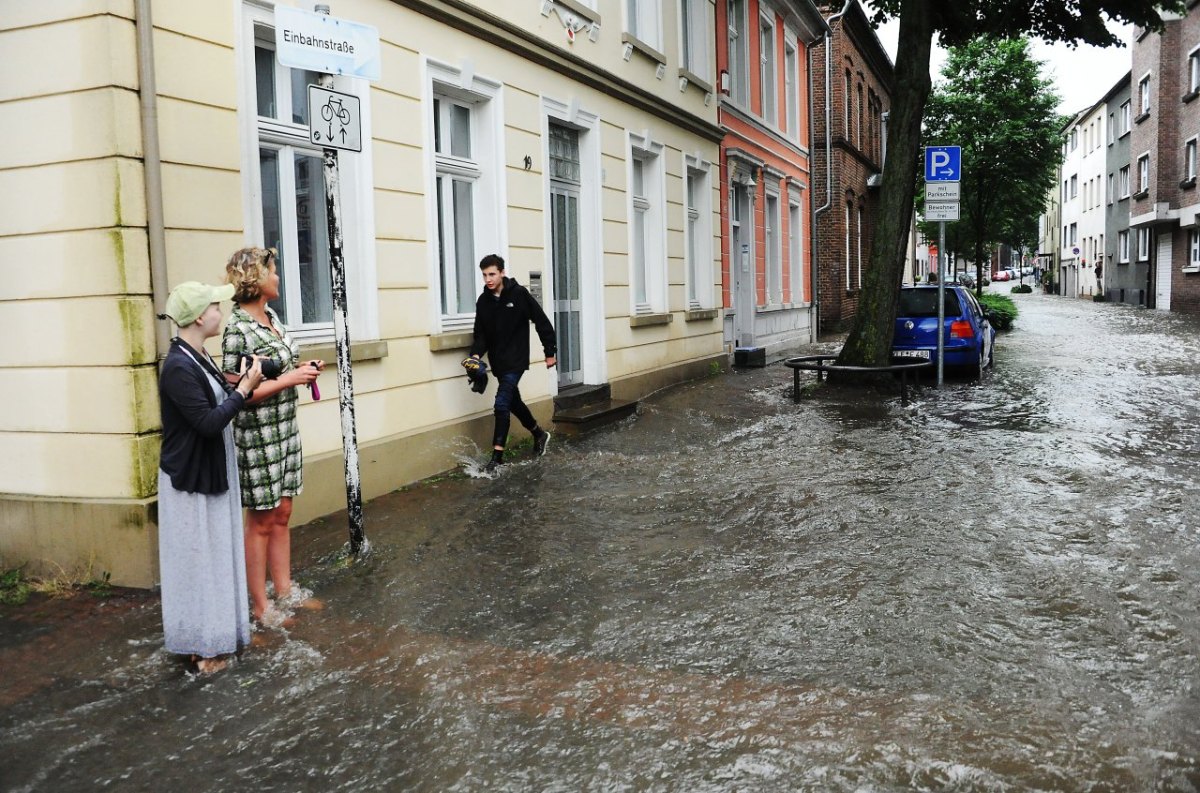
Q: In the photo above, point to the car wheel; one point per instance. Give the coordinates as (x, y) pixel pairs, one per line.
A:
(978, 372)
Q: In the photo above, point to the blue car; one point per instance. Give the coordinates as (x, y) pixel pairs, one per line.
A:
(968, 330)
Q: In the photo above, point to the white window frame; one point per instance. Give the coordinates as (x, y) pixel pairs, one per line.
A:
(357, 193)
(1112, 182)
(1112, 127)
(1143, 245)
(643, 20)
(859, 245)
(1144, 95)
(796, 245)
(698, 231)
(1074, 139)
(694, 37)
(768, 71)
(1074, 238)
(1144, 172)
(1192, 263)
(1126, 117)
(791, 84)
(1189, 158)
(654, 238)
(485, 168)
(1123, 247)
(739, 49)
(1123, 182)
(1075, 186)
(1194, 71)
(773, 246)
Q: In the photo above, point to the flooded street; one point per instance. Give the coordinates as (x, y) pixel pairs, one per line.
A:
(993, 588)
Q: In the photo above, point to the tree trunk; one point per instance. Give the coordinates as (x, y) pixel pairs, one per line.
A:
(870, 340)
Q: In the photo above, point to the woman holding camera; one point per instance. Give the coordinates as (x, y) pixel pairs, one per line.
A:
(200, 542)
(268, 435)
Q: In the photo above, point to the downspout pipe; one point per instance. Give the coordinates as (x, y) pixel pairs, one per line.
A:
(828, 154)
(152, 173)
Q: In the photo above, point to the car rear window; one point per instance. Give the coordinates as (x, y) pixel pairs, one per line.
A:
(923, 303)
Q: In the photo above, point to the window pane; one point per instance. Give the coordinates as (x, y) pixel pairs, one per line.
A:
(301, 79)
(312, 241)
(464, 245)
(264, 81)
(639, 188)
(268, 164)
(441, 232)
(460, 131)
(437, 126)
(639, 257)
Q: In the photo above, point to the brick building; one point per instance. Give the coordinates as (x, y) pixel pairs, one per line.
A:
(1165, 85)
(763, 55)
(853, 70)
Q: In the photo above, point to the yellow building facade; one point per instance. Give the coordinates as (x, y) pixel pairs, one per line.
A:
(577, 138)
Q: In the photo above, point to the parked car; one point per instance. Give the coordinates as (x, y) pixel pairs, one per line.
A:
(1001, 275)
(968, 330)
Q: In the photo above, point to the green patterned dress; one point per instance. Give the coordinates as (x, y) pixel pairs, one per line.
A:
(270, 460)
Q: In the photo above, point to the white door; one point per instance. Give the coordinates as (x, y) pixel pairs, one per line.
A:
(564, 243)
(741, 266)
(1162, 274)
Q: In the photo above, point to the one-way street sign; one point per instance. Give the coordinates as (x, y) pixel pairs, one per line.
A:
(943, 163)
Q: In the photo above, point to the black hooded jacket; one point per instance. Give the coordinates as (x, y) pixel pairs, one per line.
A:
(502, 327)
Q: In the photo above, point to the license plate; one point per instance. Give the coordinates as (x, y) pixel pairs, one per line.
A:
(911, 354)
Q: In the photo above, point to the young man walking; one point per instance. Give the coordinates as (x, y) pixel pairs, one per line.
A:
(502, 316)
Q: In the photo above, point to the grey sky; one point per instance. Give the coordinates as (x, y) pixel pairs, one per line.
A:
(1083, 75)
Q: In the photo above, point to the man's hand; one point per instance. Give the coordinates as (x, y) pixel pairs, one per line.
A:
(550, 361)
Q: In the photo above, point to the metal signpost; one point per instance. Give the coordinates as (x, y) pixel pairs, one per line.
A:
(321, 43)
(943, 172)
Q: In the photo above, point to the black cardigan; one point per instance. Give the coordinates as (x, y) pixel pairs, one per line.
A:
(193, 450)
(502, 328)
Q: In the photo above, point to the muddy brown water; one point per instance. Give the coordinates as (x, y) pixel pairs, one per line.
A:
(994, 588)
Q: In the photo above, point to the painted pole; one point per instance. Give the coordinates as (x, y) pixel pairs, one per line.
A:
(941, 298)
(337, 272)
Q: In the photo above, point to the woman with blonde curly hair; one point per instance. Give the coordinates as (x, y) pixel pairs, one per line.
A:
(270, 460)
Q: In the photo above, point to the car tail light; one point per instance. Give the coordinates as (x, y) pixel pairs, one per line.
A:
(961, 329)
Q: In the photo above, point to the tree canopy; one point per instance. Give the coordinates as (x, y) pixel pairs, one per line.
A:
(955, 22)
(995, 104)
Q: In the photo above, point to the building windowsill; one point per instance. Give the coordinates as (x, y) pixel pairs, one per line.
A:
(697, 314)
(579, 9)
(1190, 95)
(1140, 195)
(1188, 184)
(359, 351)
(453, 340)
(645, 320)
(1141, 118)
(696, 80)
(1191, 270)
(644, 48)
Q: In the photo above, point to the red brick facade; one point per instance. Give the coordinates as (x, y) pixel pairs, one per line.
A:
(860, 79)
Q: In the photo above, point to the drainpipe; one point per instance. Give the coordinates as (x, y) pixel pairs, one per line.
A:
(152, 172)
(828, 154)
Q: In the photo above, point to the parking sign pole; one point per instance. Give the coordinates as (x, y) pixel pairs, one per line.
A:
(941, 298)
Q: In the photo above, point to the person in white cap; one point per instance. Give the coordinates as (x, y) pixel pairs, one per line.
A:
(205, 612)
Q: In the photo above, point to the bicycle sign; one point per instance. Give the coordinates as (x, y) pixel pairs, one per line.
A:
(333, 119)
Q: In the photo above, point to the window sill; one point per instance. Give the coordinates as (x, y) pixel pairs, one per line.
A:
(359, 351)
(454, 340)
(770, 307)
(696, 80)
(1138, 196)
(580, 10)
(1124, 261)
(645, 320)
(1142, 117)
(1190, 270)
(697, 314)
(1190, 95)
(644, 48)
(1188, 184)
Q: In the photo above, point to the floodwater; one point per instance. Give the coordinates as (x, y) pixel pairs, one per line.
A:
(993, 588)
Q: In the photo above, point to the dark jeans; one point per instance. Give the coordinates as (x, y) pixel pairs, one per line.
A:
(508, 401)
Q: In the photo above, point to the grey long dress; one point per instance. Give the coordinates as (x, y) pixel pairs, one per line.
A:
(202, 558)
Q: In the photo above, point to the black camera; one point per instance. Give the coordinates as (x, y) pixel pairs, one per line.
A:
(270, 368)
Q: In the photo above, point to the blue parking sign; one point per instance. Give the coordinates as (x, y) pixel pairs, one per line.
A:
(943, 163)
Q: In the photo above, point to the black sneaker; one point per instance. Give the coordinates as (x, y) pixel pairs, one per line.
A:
(494, 463)
(541, 439)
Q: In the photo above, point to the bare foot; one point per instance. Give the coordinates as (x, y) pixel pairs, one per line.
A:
(208, 666)
(311, 604)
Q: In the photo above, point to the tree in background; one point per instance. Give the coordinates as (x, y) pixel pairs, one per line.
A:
(995, 103)
(956, 22)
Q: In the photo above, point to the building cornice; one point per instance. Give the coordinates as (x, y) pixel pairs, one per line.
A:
(488, 27)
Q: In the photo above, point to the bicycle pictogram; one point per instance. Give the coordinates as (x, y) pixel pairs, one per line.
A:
(329, 111)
